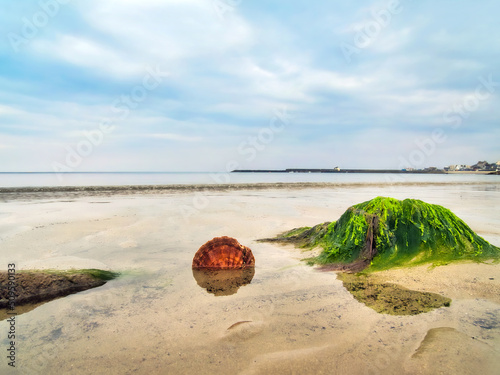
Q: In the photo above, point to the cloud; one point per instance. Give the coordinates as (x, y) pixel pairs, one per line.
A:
(88, 54)
(126, 36)
(228, 75)
(175, 137)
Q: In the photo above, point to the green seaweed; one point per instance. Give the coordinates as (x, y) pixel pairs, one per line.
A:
(405, 233)
(304, 237)
(392, 299)
(100, 274)
(94, 272)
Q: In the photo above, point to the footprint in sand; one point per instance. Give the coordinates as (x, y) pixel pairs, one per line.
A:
(454, 351)
(243, 330)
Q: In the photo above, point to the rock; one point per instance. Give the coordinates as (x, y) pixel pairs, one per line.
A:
(31, 287)
(386, 232)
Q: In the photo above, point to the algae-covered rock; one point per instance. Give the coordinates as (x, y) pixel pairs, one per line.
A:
(386, 232)
(31, 287)
(305, 237)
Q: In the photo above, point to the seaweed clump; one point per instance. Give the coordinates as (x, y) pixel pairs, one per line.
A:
(392, 299)
(386, 232)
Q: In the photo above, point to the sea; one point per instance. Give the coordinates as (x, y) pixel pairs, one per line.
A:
(44, 179)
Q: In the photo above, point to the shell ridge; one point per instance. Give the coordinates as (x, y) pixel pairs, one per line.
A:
(223, 253)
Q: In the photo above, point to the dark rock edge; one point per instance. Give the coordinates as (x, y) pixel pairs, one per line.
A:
(41, 286)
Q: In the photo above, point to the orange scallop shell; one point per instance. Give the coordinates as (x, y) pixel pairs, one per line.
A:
(223, 253)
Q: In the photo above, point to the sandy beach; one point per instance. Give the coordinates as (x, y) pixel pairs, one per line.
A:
(293, 319)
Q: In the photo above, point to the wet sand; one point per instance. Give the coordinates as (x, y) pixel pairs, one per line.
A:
(67, 192)
(289, 319)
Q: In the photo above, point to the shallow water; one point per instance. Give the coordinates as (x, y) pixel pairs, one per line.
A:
(184, 178)
(155, 318)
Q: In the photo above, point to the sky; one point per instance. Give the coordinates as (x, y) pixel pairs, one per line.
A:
(216, 85)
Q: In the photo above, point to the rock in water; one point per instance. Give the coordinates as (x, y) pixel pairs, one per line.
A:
(386, 232)
(223, 253)
(33, 287)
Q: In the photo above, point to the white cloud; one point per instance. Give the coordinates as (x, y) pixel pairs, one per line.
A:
(8, 110)
(86, 53)
(129, 36)
(174, 137)
(227, 76)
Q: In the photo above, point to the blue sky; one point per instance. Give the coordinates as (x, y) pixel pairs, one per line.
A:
(204, 85)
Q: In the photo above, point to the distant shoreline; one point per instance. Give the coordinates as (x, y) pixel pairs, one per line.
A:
(438, 171)
(293, 170)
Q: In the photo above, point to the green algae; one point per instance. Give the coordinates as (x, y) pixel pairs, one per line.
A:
(392, 299)
(305, 237)
(99, 274)
(93, 272)
(385, 232)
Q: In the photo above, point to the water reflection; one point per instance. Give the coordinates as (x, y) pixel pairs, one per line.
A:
(4, 313)
(223, 282)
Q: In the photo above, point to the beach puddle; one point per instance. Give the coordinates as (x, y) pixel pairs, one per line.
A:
(223, 282)
(391, 298)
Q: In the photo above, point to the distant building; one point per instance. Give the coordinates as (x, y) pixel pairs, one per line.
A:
(457, 167)
(336, 169)
(482, 166)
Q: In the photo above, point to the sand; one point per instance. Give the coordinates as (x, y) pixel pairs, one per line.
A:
(289, 319)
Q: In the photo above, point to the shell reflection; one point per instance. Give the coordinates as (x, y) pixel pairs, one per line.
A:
(223, 282)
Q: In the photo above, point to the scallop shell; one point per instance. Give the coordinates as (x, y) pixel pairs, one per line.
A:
(223, 253)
